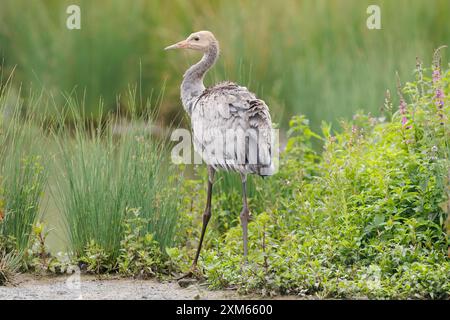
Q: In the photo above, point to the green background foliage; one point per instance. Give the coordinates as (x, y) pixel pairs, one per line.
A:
(311, 57)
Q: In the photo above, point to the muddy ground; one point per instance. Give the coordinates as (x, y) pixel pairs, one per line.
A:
(91, 287)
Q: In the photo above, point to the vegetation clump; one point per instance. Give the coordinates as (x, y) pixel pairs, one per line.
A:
(140, 254)
(365, 217)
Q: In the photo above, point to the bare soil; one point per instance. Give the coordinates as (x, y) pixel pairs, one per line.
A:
(30, 287)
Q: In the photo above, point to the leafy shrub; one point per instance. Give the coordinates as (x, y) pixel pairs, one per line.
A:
(38, 257)
(140, 253)
(96, 259)
(366, 217)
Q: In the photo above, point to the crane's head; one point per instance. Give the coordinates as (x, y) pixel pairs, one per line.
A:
(199, 41)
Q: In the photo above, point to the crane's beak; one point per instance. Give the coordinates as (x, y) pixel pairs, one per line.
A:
(179, 45)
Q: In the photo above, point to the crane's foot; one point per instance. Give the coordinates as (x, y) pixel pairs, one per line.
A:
(186, 282)
(193, 275)
(184, 276)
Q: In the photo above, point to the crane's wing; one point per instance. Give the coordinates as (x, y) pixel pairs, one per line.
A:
(232, 129)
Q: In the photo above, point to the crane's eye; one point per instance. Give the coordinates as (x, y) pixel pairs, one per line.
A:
(196, 38)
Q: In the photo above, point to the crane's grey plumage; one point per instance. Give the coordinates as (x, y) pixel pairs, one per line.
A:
(231, 127)
(229, 107)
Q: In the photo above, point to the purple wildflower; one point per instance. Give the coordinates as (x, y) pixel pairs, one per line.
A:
(439, 103)
(439, 93)
(403, 111)
(402, 106)
(436, 75)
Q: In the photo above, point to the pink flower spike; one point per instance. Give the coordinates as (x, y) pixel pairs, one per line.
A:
(402, 106)
(439, 103)
(436, 75)
(439, 93)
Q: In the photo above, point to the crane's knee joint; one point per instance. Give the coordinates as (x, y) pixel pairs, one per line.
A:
(245, 214)
(206, 215)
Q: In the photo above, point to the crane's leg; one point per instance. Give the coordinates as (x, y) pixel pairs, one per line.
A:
(245, 214)
(206, 217)
(206, 214)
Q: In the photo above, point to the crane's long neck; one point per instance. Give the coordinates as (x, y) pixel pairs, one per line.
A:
(192, 86)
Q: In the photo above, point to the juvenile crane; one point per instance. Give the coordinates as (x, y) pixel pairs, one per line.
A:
(231, 127)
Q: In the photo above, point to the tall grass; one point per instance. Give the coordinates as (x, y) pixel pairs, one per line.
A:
(311, 57)
(103, 173)
(23, 176)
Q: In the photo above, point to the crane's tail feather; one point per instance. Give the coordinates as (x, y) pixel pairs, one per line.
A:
(265, 171)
